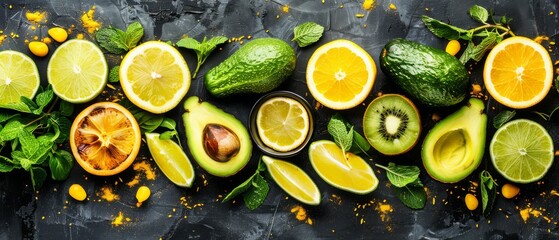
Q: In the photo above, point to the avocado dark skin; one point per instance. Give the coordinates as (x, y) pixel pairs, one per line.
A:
(428, 74)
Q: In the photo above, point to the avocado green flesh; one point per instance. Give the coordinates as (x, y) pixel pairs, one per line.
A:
(454, 148)
(257, 67)
(199, 114)
(428, 74)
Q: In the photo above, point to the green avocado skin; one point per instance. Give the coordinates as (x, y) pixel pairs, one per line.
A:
(257, 67)
(428, 74)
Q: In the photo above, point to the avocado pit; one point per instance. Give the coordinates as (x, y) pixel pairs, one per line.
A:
(220, 143)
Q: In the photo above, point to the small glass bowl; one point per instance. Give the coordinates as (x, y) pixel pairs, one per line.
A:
(254, 131)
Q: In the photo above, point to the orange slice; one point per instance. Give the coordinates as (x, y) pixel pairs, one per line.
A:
(340, 74)
(518, 72)
(105, 138)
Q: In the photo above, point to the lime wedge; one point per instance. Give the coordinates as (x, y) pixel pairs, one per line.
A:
(293, 180)
(18, 77)
(171, 160)
(77, 71)
(522, 151)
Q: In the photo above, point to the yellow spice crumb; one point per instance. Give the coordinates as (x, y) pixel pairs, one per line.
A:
(79, 36)
(368, 4)
(392, 6)
(146, 168)
(108, 194)
(88, 22)
(36, 17)
(359, 15)
(118, 220)
(285, 9)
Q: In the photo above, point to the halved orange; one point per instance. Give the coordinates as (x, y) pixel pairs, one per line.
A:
(518, 72)
(340, 74)
(105, 138)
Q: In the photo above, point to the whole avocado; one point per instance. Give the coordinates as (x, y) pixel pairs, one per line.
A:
(428, 74)
(257, 67)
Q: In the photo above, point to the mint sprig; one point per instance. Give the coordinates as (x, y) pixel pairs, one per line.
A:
(202, 49)
(346, 137)
(488, 192)
(407, 185)
(254, 190)
(117, 41)
(307, 33)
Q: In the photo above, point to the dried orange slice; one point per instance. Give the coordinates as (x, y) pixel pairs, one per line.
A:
(518, 72)
(340, 74)
(105, 138)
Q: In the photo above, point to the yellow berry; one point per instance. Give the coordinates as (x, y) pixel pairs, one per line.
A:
(453, 47)
(509, 191)
(77, 192)
(40, 49)
(58, 34)
(471, 202)
(142, 194)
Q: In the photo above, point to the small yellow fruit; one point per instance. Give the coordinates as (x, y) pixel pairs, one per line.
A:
(453, 47)
(77, 192)
(471, 202)
(40, 49)
(58, 34)
(142, 194)
(509, 191)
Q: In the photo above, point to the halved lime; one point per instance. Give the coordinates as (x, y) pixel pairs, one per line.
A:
(18, 77)
(522, 151)
(77, 71)
(171, 160)
(293, 180)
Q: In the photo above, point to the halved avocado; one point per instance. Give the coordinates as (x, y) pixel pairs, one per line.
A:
(453, 149)
(218, 141)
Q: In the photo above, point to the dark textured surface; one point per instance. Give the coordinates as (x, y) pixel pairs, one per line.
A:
(52, 214)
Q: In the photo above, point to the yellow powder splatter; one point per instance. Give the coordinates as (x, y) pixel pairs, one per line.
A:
(36, 17)
(368, 4)
(301, 214)
(540, 39)
(554, 192)
(118, 220)
(285, 9)
(384, 209)
(2, 38)
(525, 213)
(392, 6)
(146, 168)
(88, 22)
(134, 181)
(79, 36)
(108, 194)
(359, 15)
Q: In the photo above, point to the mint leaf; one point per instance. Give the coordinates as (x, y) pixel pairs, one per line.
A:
(243, 187)
(60, 164)
(360, 144)
(29, 143)
(202, 49)
(133, 34)
(477, 53)
(400, 176)
(19, 106)
(488, 192)
(444, 30)
(167, 135)
(307, 33)
(479, 13)
(189, 43)
(342, 137)
(7, 165)
(412, 195)
(502, 118)
(258, 191)
(43, 99)
(65, 108)
(112, 40)
(38, 177)
(213, 42)
(11, 130)
(113, 74)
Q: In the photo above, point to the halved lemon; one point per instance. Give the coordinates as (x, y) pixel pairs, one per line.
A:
(18, 77)
(105, 138)
(77, 71)
(154, 76)
(282, 123)
(293, 180)
(518, 72)
(171, 159)
(350, 172)
(340, 74)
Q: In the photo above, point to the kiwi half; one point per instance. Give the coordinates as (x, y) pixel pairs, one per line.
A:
(392, 124)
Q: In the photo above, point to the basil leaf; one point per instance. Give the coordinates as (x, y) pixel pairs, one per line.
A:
(444, 30)
(134, 33)
(479, 13)
(38, 177)
(401, 176)
(342, 137)
(113, 74)
(60, 164)
(412, 195)
(307, 33)
(502, 118)
(488, 192)
(243, 187)
(257, 193)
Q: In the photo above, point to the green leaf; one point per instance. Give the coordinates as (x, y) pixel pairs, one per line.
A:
(30, 104)
(113, 74)
(217, 40)
(112, 40)
(44, 98)
(261, 166)
(502, 118)
(60, 164)
(190, 43)
(342, 137)
(360, 144)
(26, 163)
(167, 135)
(65, 108)
(257, 193)
(11, 130)
(19, 106)
(479, 13)
(4, 116)
(64, 125)
(444, 30)
(557, 83)
(307, 33)
(29, 144)
(7, 165)
(401, 176)
(134, 33)
(412, 195)
(169, 123)
(488, 192)
(38, 177)
(239, 189)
